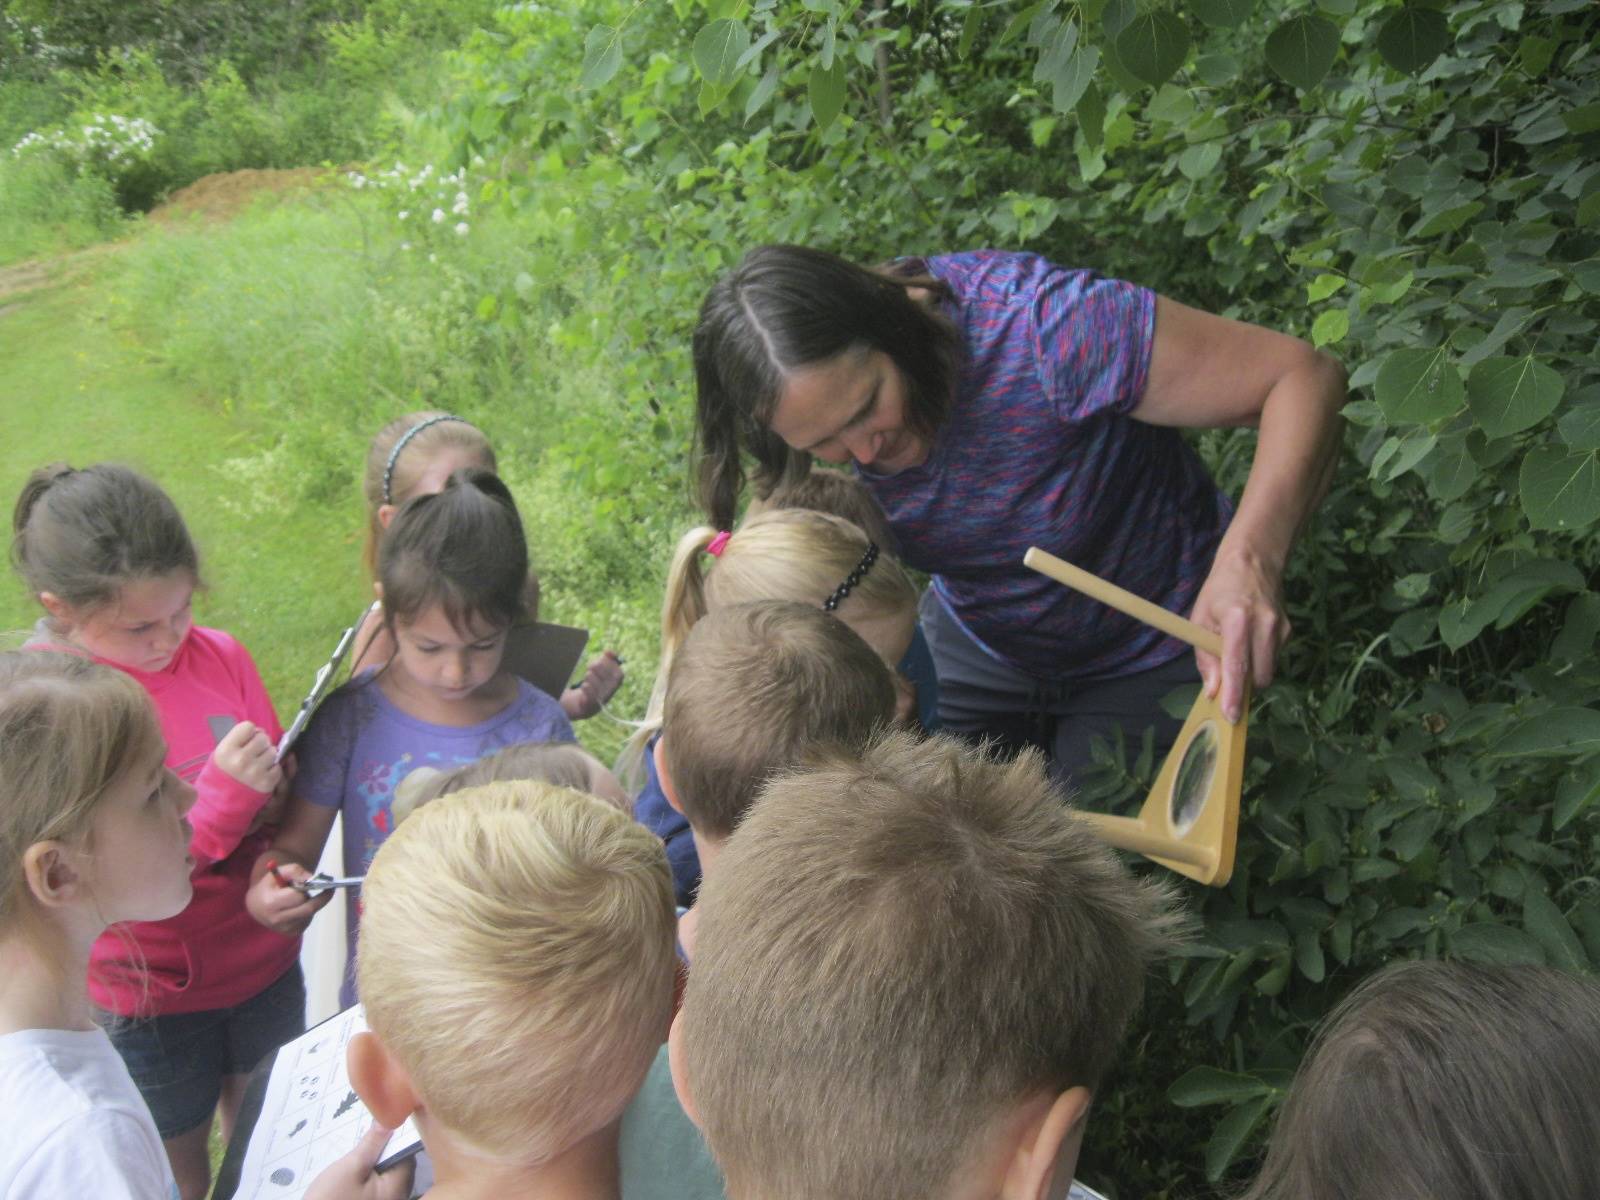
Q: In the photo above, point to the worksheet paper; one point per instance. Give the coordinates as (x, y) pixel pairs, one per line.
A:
(310, 1116)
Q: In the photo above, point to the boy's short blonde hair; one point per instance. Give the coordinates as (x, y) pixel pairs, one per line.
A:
(516, 956)
(894, 948)
(754, 689)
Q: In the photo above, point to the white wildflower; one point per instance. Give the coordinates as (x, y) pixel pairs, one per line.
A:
(462, 228)
(438, 216)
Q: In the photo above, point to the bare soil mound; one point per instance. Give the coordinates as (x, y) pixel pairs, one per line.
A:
(218, 197)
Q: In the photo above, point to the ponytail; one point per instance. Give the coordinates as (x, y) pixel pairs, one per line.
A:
(683, 604)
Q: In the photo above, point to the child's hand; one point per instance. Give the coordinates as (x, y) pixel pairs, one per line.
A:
(271, 812)
(278, 906)
(600, 682)
(356, 1177)
(245, 753)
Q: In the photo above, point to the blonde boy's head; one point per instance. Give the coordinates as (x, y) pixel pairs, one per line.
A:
(516, 960)
(898, 949)
(754, 689)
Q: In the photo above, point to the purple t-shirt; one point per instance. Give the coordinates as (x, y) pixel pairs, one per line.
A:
(359, 746)
(1039, 450)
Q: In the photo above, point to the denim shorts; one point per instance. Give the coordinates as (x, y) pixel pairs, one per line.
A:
(179, 1061)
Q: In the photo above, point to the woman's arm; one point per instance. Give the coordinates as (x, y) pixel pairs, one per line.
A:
(1208, 371)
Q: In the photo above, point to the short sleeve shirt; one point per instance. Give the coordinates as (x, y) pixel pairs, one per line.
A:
(1040, 450)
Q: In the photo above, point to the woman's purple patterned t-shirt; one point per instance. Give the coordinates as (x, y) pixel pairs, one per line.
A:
(1039, 451)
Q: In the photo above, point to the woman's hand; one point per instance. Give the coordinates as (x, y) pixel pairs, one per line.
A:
(280, 907)
(599, 683)
(356, 1175)
(1241, 600)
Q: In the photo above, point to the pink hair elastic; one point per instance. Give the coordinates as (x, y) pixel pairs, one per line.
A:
(718, 544)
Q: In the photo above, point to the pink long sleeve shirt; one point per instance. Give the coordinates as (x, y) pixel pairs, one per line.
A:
(213, 954)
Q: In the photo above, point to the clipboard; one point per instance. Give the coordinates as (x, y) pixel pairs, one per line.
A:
(1189, 823)
(546, 654)
(321, 685)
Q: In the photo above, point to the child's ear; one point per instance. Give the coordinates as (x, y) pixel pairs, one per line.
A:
(380, 1081)
(664, 776)
(386, 514)
(1046, 1148)
(377, 590)
(60, 611)
(52, 876)
(680, 1076)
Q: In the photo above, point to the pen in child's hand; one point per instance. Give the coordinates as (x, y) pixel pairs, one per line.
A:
(272, 865)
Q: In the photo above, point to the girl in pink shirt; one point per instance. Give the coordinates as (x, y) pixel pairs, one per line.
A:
(202, 996)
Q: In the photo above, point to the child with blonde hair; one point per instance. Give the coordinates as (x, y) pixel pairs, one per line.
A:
(451, 570)
(92, 832)
(206, 992)
(1445, 1081)
(914, 966)
(414, 455)
(797, 555)
(517, 965)
(562, 764)
(829, 490)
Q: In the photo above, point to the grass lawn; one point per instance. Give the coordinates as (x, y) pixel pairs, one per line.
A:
(74, 386)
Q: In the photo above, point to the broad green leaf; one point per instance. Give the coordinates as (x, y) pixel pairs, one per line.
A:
(1584, 119)
(1153, 46)
(602, 55)
(1413, 37)
(1019, 22)
(1117, 15)
(1230, 1135)
(1399, 454)
(1092, 115)
(1495, 944)
(1550, 928)
(761, 93)
(1450, 470)
(1508, 395)
(1072, 80)
(1207, 1085)
(969, 30)
(1577, 790)
(1302, 49)
(1196, 162)
(717, 50)
(1419, 385)
(1445, 220)
(1173, 105)
(1575, 642)
(1217, 69)
(826, 92)
(1580, 427)
(1559, 733)
(1323, 286)
(1222, 14)
(1560, 489)
(1330, 327)
(1308, 956)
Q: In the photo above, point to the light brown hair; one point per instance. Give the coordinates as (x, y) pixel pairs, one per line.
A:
(824, 489)
(755, 689)
(69, 730)
(790, 554)
(1445, 1081)
(413, 460)
(517, 958)
(560, 764)
(81, 535)
(897, 947)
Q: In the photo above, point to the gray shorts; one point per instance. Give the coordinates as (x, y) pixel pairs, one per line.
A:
(979, 696)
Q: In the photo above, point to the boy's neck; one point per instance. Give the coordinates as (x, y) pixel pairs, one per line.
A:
(43, 978)
(587, 1170)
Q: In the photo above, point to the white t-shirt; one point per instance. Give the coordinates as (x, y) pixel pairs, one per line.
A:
(75, 1125)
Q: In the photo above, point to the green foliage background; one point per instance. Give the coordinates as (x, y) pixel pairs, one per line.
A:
(1414, 186)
